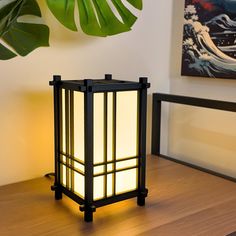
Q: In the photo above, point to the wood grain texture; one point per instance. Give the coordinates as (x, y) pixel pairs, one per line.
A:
(182, 201)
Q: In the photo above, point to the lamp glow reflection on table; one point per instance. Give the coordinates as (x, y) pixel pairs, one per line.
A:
(100, 141)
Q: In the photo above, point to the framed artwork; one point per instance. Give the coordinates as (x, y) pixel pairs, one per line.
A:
(209, 39)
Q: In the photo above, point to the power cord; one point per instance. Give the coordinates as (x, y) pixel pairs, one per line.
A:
(49, 175)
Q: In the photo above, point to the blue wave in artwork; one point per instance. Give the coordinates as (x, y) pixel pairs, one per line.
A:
(231, 48)
(201, 56)
(221, 23)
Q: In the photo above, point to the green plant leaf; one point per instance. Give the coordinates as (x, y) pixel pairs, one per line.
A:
(5, 53)
(22, 37)
(136, 3)
(96, 16)
(63, 10)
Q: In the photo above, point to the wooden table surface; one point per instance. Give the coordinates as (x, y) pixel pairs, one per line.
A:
(181, 202)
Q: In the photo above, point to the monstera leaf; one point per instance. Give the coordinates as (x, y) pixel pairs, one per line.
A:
(97, 17)
(22, 37)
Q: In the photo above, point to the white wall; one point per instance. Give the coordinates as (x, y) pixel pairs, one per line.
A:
(201, 136)
(153, 49)
(26, 140)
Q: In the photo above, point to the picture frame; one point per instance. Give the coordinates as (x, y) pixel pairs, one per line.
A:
(209, 39)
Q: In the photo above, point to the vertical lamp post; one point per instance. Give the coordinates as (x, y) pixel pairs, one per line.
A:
(100, 141)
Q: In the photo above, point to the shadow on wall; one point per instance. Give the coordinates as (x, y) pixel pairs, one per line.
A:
(39, 122)
(27, 143)
(176, 38)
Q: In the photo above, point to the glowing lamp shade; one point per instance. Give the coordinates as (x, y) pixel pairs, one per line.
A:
(100, 141)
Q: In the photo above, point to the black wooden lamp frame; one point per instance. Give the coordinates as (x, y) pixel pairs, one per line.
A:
(88, 205)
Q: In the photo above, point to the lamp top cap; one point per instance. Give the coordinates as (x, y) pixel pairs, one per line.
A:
(101, 85)
(108, 76)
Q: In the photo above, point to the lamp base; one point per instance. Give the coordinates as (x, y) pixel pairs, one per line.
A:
(88, 212)
(141, 197)
(141, 201)
(88, 216)
(58, 193)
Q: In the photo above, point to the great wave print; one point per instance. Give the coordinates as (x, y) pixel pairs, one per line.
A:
(209, 39)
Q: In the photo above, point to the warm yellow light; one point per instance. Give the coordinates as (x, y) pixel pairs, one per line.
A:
(63, 158)
(127, 122)
(63, 121)
(125, 164)
(110, 167)
(79, 184)
(79, 167)
(98, 169)
(110, 126)
(79, 126)
(98, 128)
(78, 152)
(98, 187)
(110, 184)
(126, 180)
(126, 140)
(126, 144)
(63, 175)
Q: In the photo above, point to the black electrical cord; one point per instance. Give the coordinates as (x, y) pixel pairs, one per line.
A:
(49, 175)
